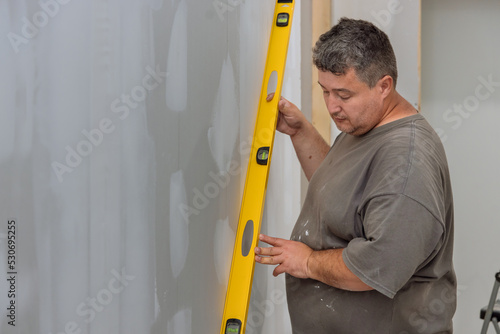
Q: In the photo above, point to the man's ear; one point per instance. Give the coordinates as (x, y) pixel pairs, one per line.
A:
(385, 85)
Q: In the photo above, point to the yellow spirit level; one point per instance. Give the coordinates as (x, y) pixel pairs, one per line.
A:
(243, 263)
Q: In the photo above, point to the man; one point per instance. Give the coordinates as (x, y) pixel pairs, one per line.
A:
(371, 251)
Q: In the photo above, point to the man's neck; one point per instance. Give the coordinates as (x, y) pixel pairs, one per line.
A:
(396, 108)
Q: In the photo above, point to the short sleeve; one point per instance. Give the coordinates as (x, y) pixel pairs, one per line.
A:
(400, 236)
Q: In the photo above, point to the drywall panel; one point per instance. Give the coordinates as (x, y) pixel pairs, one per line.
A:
(78, 167)
(461, 99)
(125, 133)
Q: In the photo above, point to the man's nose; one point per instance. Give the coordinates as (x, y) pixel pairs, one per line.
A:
(332, 104)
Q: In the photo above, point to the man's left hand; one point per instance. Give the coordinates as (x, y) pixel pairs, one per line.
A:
(290, 256)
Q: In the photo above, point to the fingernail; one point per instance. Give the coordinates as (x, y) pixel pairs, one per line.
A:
(257, 250)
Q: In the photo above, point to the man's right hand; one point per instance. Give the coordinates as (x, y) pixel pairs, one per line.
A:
(310, 147)
(290, 118)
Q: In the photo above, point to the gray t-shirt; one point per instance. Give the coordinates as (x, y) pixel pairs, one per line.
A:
(385, 197)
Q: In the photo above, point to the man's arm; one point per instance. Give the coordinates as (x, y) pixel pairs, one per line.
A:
(310, 147)
(299, 260)
(328, 266)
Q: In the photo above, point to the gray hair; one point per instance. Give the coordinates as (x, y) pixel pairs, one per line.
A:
(359, 45)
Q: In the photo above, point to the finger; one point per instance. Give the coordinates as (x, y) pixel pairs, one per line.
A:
(265, 259)
(268, 251)
(278, 270)
(282, 104)
(269, 97)
(270, 240)
(269, 260)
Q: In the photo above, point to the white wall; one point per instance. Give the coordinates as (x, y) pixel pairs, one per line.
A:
(460, 49)
(168, 91)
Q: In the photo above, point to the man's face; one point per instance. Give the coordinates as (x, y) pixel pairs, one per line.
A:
(353, 106)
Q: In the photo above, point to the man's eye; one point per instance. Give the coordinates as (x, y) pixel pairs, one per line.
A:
(325, 92)
(344, 97)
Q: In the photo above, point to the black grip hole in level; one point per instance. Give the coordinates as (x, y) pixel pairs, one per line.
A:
(246, 241)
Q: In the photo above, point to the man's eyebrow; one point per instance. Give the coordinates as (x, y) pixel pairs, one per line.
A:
(341, 90)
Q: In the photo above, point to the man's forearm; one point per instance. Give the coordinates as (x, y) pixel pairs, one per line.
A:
(328, 266)
(311, 149)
